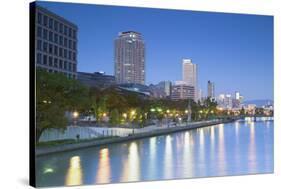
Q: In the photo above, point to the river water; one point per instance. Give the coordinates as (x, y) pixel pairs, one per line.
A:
(242, 147)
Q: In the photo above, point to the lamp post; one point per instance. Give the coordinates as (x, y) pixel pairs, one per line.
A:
(188, 112)
(132, 116)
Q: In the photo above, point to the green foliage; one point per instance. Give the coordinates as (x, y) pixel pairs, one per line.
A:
(114, 117)
(242, 111)
(56, 94)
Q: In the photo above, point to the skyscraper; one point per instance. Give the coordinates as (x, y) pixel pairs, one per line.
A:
(189, 75)
(211, 89)
(237, 95)
(228, 101)
(129, 58)
(55, 43)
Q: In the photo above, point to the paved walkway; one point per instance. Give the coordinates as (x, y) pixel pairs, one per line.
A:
(88, 132)
(152, 132)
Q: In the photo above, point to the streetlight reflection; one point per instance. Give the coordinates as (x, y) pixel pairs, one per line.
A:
(103, 173)
(168, 158)
(152, 156)
(131, 169)
(188, 155)
(74, 174)
(221, 151)
(252, 149)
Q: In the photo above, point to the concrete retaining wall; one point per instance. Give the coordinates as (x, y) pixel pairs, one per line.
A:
(66, 147)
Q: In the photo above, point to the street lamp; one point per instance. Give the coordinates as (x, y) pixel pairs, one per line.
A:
(125, 115)
(75, 116)
(133, 112)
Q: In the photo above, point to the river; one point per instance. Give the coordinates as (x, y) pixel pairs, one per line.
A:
(241, 147)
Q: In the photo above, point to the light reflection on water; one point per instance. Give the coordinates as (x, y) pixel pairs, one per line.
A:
(243, 147)
(74, 173)
(103, 172)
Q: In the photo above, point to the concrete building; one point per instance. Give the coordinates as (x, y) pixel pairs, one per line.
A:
(96, 79)
(211, 89)
(181, 91)
(55, 43)
(220, 100)
(237, 100)
(157, 91)
(165, 86)
(129, 58)
(228, 101)
(189, 75)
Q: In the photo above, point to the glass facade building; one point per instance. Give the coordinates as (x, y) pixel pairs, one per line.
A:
(55, 43)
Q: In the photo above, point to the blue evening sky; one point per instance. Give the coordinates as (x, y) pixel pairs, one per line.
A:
(233, 50)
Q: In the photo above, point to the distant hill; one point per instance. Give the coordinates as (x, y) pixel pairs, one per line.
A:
(259, 102)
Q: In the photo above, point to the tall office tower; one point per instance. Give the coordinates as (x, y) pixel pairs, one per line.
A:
(221, 100)
(211, 89)
(237, 95)
(228, 101)
(55, 43)
(236, 100)
(189, 75)
(129, 58)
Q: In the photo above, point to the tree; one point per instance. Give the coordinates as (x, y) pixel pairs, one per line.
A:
(242, 111)
(209, 107)
(56, 94)
(97, 103)
(114, 117)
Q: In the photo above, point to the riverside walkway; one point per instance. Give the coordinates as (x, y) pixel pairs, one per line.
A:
(132, 134)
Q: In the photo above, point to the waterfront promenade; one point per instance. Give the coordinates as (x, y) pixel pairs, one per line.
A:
(131, 134)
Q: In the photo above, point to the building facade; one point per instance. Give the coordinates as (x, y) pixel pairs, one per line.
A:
(182, 91)
(96, 79)
(129, 58)
(55, 43)
(156, 91)
(189, 75)
(166, 87)
(211, 89)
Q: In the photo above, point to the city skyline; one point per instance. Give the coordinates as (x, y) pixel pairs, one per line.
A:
(251, 51)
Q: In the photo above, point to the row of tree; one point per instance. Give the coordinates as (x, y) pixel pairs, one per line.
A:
(57, 94)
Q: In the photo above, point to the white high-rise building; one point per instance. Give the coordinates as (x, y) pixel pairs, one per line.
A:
(189, 75)
(237, 95)
(130, 58)
(228, 101)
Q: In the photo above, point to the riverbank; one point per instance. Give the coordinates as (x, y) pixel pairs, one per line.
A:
(40, 151)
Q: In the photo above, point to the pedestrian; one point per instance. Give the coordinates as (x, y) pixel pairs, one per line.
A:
(77, 137)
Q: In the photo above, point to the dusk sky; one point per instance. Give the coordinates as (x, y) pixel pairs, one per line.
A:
(235, 51)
